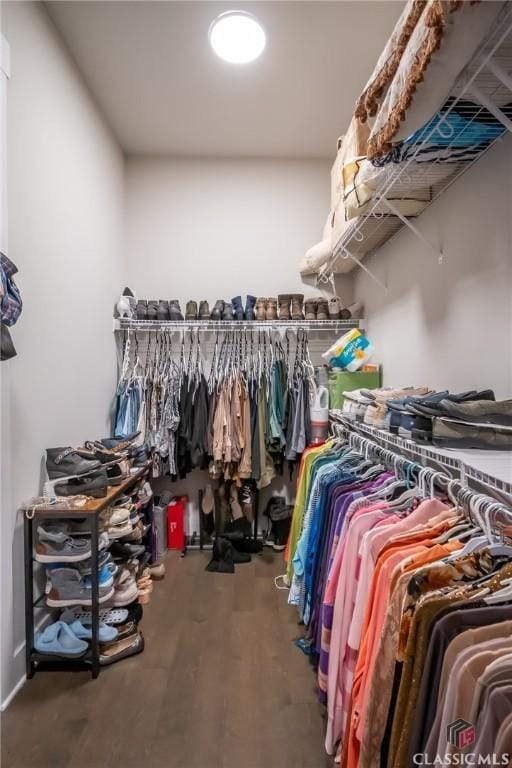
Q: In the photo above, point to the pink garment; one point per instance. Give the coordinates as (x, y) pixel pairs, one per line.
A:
(421, 516)
(344, 595)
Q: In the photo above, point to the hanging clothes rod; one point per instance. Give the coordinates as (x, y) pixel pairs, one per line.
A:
(209, 326)
(403, 466)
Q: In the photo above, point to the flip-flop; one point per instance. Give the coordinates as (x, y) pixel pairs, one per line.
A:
(108, 615)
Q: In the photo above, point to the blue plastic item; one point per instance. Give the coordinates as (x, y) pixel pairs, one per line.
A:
(58, 639)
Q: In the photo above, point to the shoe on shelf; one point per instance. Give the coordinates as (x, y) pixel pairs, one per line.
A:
(125, 589)
(153, 310)
(227, 312)
(121, 649)
(271, 309)
(284, 300)
(191, 310)
(322, 309)
(250, 303)
(141, 310)
(68, 462)
(113, 616)
(297, 304)
(497, 412)
(68, 588)
(204, 310)
(334, 308)
(56, 546)
(58, 639)
(238, 309)
(95, 485)
(105, 577)
(162, 311)
(106, 633)
(217, 310)
(124, 550)
(175, 313)
(261, 308)
(127, 304)
(310, 306)
(157, 571)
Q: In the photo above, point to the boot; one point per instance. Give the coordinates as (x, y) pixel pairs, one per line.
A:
(227, 313)
(249, 308)
(281, 533)
(204, 310)
(356, 310)
(271, 311)
(222, 511)
(238, 308)
(191, 310)
(310, 306)
(334, 308)
(153, 310)
(322, 309)
(248, 500)
(162, 310)
(261, 308)
(222, 557)
(217, 310)
(127, 304)
(175, 312)
(284, 300)
(297, 303)
(142, 310)
(237, 529)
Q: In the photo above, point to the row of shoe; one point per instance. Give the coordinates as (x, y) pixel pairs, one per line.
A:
(286, 306)
(472, 419)
(71, 635)
(90, 469)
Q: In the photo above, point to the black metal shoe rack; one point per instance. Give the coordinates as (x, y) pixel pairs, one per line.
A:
(91, 510)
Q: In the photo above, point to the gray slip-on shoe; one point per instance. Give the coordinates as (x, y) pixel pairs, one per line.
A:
(56, 546)
(447, 433)
(68, 588)
(480, 411)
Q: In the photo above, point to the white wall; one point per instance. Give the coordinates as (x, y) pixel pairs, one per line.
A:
(65, 188)
(214, 229)
(449, 325)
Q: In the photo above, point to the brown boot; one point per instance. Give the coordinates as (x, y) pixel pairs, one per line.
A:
(284, 300)
(297, 302)
(271, 313)
(261, 309)
(310, 307)
(322, 309)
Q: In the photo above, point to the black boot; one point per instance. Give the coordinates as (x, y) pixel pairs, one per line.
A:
(222, 557)
(249, 308)
(238, 309)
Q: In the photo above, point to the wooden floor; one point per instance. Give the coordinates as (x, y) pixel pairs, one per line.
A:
(220, 684)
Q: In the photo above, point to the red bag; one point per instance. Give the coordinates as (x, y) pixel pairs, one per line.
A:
(176, 510)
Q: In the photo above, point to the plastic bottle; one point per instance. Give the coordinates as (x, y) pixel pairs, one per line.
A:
(319, 413)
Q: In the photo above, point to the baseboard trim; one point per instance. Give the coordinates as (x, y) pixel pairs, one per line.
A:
(19, 685)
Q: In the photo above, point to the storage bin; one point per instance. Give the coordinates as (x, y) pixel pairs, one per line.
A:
(345, 381)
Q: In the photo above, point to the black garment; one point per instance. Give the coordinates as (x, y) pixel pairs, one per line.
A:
(184, 436)
(199, 432)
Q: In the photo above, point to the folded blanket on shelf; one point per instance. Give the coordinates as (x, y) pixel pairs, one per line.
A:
(443, 41)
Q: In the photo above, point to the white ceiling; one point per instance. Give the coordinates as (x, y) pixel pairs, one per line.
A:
(163, 91)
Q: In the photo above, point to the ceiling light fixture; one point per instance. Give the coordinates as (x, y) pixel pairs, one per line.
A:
(237, 37)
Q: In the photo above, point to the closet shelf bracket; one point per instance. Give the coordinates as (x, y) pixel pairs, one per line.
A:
(344, 253)
(414, 229)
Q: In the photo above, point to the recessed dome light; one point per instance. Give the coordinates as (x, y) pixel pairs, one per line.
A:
(237, 37)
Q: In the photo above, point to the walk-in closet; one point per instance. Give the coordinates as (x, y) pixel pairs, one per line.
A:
(256, 383)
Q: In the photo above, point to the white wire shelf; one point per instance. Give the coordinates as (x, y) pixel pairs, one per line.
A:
(491, 469)
(212, 326)
(485, 83)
